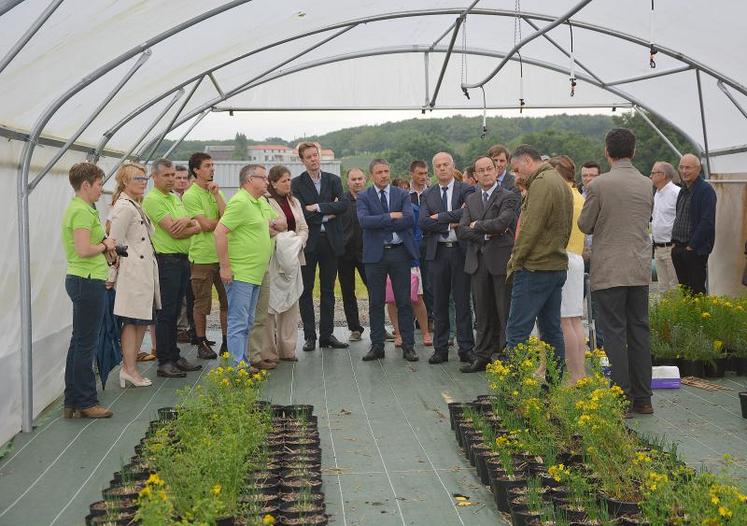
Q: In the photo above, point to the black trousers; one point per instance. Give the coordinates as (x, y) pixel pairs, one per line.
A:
(346, 267)
(395, 263)
(448, 279)
(326, 259)
(426, 281)
(691, 268)
(173, 270)
(190, 305)
(623, 315)
(492, 299)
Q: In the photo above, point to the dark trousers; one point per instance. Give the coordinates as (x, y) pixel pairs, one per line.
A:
(395, 263)
(173, 270)
(492, 300)
(426, 282)
(448, 279)
(346, 267)
(691, 268)
(624, 319)
(190, 306)
(89, 300)
(327, 261)
(535, 296)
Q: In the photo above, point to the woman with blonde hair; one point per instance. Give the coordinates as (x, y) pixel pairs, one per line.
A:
(286, 284)
(136, 277)
(572, 302)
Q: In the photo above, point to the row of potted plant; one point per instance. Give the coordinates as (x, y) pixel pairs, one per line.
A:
(560, 454)
(221, 457)
(703, 335)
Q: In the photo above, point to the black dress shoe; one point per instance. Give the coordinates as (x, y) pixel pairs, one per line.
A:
(169, 370)
(309, 345)
(374, 353)
(409, 354)
(467, 357)
(478, 365)
(185, 365)
(438, 357)
(332, 343)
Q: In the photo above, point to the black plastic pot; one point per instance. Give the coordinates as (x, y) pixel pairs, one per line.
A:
(167, 413)
(740, 366)
(482, 468)
(455, 411)
(287, 511)
(715, 368)
(122, 519)
(691, 368)
(743, 403)
(619, 508)
(572, 515)
(500, 487)
(316, 520)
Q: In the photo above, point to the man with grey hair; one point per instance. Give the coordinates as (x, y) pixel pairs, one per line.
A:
(440, 213)
(171, 240)
(694, 229)
(662, 219)
(244, 246)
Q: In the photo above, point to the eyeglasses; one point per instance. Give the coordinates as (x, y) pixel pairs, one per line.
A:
(263, 177)
(140, 178)
(656, 172)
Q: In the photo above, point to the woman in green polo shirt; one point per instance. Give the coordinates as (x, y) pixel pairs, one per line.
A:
(85, 244)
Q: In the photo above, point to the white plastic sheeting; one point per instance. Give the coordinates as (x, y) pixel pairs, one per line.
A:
(270, 54)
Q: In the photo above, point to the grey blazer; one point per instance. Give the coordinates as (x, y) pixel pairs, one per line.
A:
(617, 212)
(496, 220)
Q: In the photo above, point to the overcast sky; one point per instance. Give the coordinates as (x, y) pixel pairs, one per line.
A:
(293, 125)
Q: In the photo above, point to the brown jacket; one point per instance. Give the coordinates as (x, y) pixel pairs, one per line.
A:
(617, 212)
(544, 224)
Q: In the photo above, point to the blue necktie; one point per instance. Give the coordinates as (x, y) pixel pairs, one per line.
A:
(382, 195)
(445, 202)
(485, 198)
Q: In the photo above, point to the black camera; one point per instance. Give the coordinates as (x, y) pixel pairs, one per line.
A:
(121, 250)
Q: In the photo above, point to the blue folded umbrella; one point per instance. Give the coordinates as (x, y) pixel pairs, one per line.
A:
(108, 350)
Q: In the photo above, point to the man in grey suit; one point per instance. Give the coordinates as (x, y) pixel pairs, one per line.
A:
(488, 224)
(617, 211)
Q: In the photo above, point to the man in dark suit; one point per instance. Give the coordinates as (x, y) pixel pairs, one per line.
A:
(352, 259)
(501, 157)
(419, 182)
(320, 194)
(385, 216)
(694, 229)
(488, 224)
(440, 212)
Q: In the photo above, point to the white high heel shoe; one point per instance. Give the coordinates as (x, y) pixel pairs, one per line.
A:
(124, 378)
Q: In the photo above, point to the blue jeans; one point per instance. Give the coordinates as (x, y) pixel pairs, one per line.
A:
(242, 303)
(535, 296)
(89, 300)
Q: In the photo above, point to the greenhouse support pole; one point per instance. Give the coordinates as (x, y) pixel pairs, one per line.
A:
(561, 19)
(184, 136)
(703, 123)
(64, 148)
(178, 112)
(658, 131)
(142, 137)
(733, 100)
(457, 25)
(29, 34)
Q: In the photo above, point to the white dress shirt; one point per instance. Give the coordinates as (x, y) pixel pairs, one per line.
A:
(665, 208)
(396, 240)
(451, 236)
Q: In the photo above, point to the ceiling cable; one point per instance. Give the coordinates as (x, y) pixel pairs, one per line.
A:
(652, 51)
(573, 62)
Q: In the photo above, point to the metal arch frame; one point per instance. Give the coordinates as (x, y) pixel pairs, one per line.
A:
(29, 33)
(427, 49)
(34, 136)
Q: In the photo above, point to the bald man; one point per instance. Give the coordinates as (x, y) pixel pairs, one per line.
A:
(694, 229)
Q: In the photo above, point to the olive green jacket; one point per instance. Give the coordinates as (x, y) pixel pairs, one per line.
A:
(544, 224)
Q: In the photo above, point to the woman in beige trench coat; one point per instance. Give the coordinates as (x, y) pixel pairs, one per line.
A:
(136, 277)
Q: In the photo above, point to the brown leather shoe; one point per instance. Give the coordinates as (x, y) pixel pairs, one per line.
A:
(95, 411)
(642, 408)
(265, 364)
(185, 365)
(205, 352)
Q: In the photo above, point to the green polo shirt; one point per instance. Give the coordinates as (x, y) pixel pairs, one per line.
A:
(159, 205)
(249, 242)
(200, 202)
(80, 214)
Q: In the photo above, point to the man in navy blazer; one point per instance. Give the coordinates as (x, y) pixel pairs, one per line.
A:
(694, 229)
(321, 197)
(440, 213)
(386, 219)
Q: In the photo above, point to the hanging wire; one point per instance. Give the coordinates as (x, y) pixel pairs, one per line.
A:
(517, 38)
(652, 51)
(573, 62)
(464, 57)
(484, 114)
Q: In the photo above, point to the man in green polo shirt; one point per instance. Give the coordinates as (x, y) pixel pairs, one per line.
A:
(244, 247)
(171, 240)
(205, 204)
